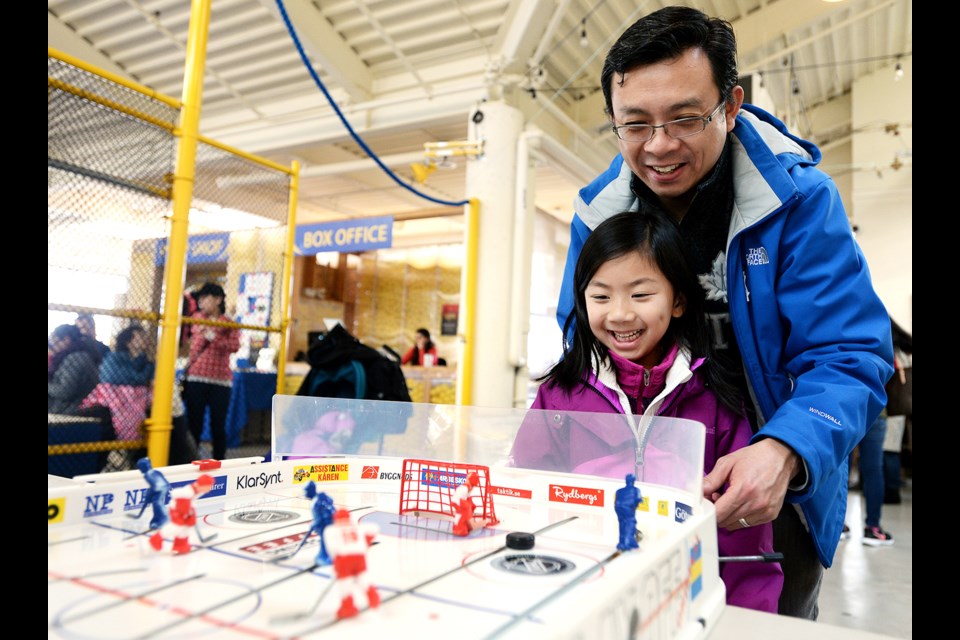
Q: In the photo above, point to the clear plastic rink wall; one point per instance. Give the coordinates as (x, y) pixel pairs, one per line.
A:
(550, 472)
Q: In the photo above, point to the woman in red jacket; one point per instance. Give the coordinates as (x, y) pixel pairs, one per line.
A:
(424, 353)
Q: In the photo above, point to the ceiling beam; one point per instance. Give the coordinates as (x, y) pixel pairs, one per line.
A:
(64, 39)
(327, 48)
(520, 34)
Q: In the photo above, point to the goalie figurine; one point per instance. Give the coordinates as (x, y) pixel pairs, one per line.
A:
(183, 516)
(464, 505)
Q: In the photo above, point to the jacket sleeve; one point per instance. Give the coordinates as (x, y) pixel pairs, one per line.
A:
(827, 383)
(578, 235)
(538, 443)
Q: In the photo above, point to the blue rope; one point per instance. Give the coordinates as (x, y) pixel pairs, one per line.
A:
(363, 145)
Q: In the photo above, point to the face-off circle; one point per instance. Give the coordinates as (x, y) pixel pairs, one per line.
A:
(533, 564)
(263, 516)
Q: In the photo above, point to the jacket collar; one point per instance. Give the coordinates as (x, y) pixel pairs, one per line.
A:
(677, 373)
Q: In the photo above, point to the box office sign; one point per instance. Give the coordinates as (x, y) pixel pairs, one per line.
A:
(345, 236)
(209, 247)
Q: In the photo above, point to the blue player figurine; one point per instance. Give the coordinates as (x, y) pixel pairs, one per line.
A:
(157, 495)
(323, 511)
(625, 504)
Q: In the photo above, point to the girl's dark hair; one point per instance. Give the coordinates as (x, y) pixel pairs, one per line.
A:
(212, 289)
(417, 356)
(426, 334)
(126, 336)
(655, 237)
(666, 34)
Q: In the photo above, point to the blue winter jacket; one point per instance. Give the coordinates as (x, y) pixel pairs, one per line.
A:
(813, 334)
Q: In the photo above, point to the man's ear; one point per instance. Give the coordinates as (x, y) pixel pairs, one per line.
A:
(679, 305)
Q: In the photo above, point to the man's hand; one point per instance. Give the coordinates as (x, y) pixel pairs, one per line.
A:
(755, 480)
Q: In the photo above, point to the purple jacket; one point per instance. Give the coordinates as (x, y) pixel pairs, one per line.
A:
(545, 444)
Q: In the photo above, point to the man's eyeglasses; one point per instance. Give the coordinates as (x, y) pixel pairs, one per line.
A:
(682, 128)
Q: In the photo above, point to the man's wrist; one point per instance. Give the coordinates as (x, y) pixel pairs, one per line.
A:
(794, 464)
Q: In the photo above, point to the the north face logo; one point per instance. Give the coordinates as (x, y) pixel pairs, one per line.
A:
(757, 256)
(369, 472)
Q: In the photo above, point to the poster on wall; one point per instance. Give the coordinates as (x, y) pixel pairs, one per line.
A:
(449, 316)
(253, 307)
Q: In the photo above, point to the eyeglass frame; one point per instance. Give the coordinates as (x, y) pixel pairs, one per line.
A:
(653, 127)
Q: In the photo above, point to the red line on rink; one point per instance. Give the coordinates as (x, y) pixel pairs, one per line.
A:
(679, 588)
(174, 609)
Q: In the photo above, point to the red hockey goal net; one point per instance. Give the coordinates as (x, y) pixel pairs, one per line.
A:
(428, 485)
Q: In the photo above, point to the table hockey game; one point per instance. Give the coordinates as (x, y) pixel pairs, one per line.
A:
(241, 578)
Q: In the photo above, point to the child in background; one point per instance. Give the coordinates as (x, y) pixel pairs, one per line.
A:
(208, 375)
(640, 346)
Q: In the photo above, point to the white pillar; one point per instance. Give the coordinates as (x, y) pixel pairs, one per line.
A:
(492, 179)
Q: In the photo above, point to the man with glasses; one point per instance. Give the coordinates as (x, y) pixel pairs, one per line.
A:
(788, 294)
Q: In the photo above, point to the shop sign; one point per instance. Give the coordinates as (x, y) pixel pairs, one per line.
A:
(209, 247)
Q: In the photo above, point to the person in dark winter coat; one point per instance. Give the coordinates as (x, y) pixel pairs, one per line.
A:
(71, 371)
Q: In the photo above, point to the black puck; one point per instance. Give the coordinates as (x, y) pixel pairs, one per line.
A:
(519, 540)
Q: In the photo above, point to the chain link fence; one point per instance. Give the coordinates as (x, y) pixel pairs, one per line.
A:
(110, 168)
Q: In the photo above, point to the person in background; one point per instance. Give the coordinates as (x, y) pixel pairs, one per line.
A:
(126, 381)
(423, 353)
(792, 308)
(71, 370)
(871, 481)
(71, 375)
(88, 328)
(899, 411)
(641, 347)
(131, 362)
(208, 376)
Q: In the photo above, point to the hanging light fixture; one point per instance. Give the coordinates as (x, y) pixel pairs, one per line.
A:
(584, 42)
(898, 71)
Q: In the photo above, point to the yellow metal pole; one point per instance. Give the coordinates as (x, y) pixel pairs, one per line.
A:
(470, 282)
(160, 423)
(287, 277)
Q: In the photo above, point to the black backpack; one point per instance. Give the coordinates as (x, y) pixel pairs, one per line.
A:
(333, 371)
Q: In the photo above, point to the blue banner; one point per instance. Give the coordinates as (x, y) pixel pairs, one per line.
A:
(345, 236)
(209, 247)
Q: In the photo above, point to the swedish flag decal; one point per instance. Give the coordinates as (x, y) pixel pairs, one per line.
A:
(696, 570)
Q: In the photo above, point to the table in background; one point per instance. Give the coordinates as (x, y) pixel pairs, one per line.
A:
(69, 429)
(251, 391)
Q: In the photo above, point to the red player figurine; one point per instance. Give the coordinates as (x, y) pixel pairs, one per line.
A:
(347, 544)
(465, 506)
(183, 517)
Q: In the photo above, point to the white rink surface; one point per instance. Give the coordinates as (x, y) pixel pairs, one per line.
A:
(106, 582)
